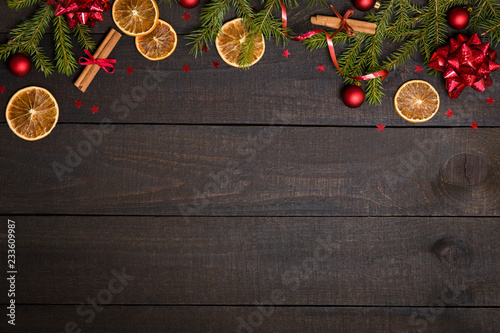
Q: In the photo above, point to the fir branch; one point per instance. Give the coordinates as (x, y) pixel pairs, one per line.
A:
(212, 17)
(347, 60)
(65, 59)
(41, 61)
(27, 36)
(435, 35)
(244, 10)
(402, 54)
(318, 41)
(266, 14)
(312, 3)
(82, 33)
(247, 51)
(30, 32)
(374, 91)
(368, 59)
(18, 4)
(263, 23)
(492, 27)
(8, 49)
(432, 25)
(481, 12)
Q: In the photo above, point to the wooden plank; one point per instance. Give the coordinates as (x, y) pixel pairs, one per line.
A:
(298, 17)
(251, 171)
(230, 96)
(160, 92)
(172, 14)
(244, 261)
(51, 318)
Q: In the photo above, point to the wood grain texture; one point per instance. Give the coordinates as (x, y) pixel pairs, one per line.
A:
(230, 96)
(252, 171)
(285, 261)
(205, 271)
(298, 17)
(147, 319)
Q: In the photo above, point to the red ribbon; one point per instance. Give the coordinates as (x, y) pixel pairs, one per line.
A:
(465, 62)
(103, 63)
(80, 11)
(343, 26)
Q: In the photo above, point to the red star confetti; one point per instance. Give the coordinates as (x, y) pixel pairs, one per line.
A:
(94, 109)
(450, 113)
(380, 127)
(321, 68)
(215, 64)
(490, 100)
(474, 125)
(418, 69)
(286, 53)
(130, 70)
(186, 16)
(78, 103)
(186, 68)
(2, 89)
(204, 49)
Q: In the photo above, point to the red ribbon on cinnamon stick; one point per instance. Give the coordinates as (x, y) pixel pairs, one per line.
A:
(103, 63)
(343, 26)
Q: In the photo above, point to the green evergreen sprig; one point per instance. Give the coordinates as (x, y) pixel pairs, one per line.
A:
(65, 59)
(19, 4)
(413, 27)
(266, 22)
(27, 35)
(212, 18)
(82, 33)
(485, 19)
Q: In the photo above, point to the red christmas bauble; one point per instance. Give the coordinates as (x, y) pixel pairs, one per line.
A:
(188, 4)
(364, 5)
(458, 18)
(353, 96)
(20, 64)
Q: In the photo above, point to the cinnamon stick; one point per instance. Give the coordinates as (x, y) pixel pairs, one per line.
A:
(334, 22)
(103, 51)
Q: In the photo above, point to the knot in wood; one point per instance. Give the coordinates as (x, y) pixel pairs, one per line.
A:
(466, 169)
(452, 252)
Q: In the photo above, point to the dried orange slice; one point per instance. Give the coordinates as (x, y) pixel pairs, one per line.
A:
(159, 43)
(230, 40)
(135, 17)
(32, 113)
(417, 101)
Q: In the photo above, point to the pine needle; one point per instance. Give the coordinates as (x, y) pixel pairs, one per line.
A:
(212, 17)
(27, 36)
(65, 59)
(82, 33)
(414, 26)
(41, 61)
(19, 4)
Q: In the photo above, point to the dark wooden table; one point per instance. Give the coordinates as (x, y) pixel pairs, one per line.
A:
(223, 200)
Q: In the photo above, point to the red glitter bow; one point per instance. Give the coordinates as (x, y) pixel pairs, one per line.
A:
(103, 63)
(465, 62)
(343, 26)
(80, 11)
